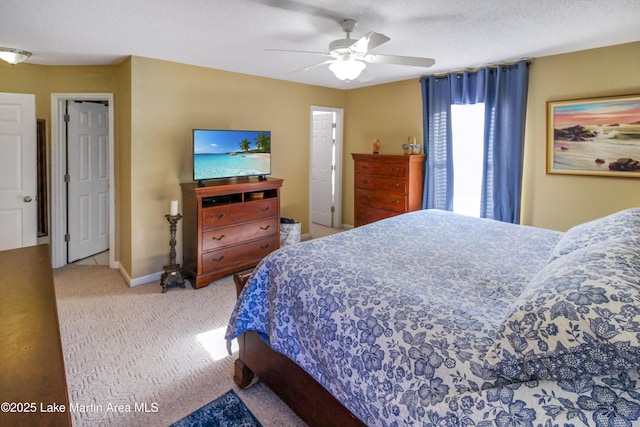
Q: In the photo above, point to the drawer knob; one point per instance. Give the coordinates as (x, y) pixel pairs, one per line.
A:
(265, 246)
(218, 238)
(395, 185)
(396, 169)
(217, 259)
(219, 216)
(365, 181)
(264, 209)
(395, 201)
(265, 228)
(365, 166)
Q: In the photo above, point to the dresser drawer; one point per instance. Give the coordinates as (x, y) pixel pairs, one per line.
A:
(381, 168)
(386, 185)
(233, 234)
(365, 215)
(238, 254)
(381, 183)
(218, 216)
(388, 201)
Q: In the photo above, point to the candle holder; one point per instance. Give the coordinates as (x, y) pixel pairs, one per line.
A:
(172, 275)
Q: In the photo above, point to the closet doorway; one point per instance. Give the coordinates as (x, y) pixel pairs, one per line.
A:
(326, 166)
(104, 160)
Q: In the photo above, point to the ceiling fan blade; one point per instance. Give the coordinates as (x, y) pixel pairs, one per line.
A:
(298, 51)
(365, 76)
(300, 7)
(327, 62)
(400, 60)
(367, 42)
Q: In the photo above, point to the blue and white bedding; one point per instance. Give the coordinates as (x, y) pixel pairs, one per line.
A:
(433, 318)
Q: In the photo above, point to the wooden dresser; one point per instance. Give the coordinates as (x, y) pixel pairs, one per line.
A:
(228, 226)
(386, 185)
(33, 384)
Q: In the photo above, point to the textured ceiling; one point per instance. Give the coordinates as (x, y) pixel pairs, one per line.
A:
(233, 34)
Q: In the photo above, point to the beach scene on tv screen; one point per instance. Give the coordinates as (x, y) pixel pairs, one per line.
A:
(221, 154)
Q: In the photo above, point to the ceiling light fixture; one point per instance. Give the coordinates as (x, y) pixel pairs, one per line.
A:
(14, 56)
(347, 69)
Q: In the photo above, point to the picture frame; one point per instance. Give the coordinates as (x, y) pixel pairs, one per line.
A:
(594, 136)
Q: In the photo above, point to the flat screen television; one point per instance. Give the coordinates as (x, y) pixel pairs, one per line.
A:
(219, 153)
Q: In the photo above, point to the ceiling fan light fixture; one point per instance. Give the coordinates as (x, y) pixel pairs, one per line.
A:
(347, 70)
(13, 56)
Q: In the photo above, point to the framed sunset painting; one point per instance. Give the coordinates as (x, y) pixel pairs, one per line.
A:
(598, 136)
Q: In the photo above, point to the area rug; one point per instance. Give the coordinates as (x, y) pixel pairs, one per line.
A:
(226, 411)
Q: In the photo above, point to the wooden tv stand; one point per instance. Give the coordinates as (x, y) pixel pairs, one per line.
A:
(228, 225)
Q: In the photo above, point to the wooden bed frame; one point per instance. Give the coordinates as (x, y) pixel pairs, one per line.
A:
(305, 396)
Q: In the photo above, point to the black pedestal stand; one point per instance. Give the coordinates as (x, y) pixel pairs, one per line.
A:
(172, 275)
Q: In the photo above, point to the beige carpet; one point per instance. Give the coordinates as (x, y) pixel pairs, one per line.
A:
(137, 357)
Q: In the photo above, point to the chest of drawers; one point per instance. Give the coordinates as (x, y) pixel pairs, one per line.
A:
(229, 226)
(386, 185)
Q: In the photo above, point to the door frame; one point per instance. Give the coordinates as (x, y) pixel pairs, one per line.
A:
(58, 168)
(337, 200)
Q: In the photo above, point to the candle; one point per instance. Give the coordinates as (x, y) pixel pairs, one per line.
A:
(173, 211)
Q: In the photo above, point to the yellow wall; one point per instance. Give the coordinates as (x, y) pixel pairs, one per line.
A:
(28, 78)
(562, 201)
(158, 103)
(45, 80)
(171, 99)
(389, 112)
(122, 166)
(393, 111)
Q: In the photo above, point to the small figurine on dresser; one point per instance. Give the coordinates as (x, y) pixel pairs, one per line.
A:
(376, 146)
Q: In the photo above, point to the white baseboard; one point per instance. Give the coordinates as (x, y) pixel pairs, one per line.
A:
(145, 279)
(156, 276)
(125, 275)
(139, 280)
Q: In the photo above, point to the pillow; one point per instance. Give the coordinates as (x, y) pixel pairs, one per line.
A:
(617, 225)
(578, 317)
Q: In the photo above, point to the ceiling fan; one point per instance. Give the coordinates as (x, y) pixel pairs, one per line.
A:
(349, 56)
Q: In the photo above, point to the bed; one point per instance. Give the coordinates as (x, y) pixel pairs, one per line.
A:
(434, 318)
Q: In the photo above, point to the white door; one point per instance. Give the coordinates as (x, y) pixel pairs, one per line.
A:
(88, 179)
(18, 207)
(322, 167)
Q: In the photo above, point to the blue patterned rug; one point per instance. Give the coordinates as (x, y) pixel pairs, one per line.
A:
(226, 411)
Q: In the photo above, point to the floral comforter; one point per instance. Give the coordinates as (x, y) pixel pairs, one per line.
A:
(396, 319)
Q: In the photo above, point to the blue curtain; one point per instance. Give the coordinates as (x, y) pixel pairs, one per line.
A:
(504, 93)
(438, 181)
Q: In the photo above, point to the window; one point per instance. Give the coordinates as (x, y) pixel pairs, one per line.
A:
(467, 122)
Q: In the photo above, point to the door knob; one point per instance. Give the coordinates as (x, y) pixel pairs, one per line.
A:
(27, 199)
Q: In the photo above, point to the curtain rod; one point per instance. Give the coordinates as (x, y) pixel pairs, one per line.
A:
(474, 69)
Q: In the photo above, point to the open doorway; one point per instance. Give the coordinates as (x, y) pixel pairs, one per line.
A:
(103, 160)
(326, 166)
